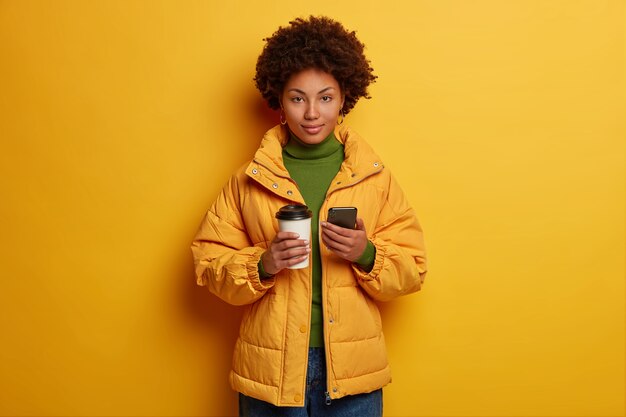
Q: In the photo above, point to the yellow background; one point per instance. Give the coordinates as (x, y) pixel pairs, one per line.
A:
(502, 120)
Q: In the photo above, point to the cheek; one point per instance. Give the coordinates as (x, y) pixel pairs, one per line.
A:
(333, 112)
(289, 109)
(290, 114)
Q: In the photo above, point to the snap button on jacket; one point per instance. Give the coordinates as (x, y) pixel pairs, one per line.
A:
(270, 357)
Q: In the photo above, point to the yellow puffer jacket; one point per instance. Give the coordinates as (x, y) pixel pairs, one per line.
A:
(270, 358)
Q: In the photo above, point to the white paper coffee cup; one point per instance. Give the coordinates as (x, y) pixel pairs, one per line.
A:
(296, 219)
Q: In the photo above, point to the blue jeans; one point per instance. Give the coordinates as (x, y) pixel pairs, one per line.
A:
(315, 404)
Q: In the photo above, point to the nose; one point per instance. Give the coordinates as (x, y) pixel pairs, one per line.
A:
(311, 112)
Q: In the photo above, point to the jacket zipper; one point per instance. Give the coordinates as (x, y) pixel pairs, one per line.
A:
(306, 352)
(324, 310)
(323, 209)
(325, 291)
(328, 400)
(308, 342)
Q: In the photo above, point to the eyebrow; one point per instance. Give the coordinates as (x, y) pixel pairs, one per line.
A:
(324, 90)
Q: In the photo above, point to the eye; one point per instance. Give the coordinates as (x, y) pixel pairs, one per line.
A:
(326, 98)
(297, 99)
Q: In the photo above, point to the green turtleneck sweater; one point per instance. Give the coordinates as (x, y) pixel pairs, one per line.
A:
(313, 168)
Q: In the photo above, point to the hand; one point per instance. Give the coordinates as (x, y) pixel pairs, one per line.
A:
(284, 251)
(348, 244)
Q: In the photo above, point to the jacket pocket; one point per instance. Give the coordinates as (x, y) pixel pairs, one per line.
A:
(263, 323)
(357, 315)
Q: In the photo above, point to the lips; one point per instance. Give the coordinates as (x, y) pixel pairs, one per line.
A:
(313, 130)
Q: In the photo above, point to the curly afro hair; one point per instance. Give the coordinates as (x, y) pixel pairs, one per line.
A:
(320, 43)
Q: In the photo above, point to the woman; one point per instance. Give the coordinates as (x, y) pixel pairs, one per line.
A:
(311, 341)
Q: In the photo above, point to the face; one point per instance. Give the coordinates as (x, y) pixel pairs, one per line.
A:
(312, 100)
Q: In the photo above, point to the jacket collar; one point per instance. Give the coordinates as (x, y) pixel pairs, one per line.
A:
(360, 160)
(270, 152)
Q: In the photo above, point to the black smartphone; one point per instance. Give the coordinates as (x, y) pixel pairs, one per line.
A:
(342, 216)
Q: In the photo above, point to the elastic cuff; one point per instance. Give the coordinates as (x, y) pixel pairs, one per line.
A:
(366, 261)
(254, 274)
(379, 259)
(262, 274)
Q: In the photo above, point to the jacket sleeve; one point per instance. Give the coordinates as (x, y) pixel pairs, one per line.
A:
(224, 258)
(400, 263)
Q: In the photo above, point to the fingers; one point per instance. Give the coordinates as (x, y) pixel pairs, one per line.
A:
(339, 234)
(285, 250)
(342, 231)
(286, 245)
(286, 235)
(288, 253)
(333, 245)
(335, 242)
(335, 231)
(346, 243)
(286, 240)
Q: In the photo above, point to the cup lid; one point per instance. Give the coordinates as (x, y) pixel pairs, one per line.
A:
(294, 212)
